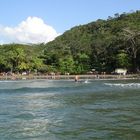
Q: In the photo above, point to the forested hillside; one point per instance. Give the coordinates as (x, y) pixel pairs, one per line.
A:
(102, 45)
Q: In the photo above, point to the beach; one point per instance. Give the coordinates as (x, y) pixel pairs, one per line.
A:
(55, 77)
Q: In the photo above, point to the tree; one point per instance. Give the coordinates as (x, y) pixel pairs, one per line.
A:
(132, 38)
(82, 61)
(67, 65)
(14, 57)
(123, 60)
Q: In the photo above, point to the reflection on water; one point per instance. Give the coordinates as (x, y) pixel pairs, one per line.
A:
(60, 110)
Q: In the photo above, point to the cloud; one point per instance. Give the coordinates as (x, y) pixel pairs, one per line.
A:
(32, 30)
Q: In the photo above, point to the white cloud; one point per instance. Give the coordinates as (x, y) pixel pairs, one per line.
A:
(32, 30)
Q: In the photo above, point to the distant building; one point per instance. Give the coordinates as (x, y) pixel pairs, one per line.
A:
(121, 71)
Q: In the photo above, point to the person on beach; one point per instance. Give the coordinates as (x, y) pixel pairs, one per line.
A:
(76, 78)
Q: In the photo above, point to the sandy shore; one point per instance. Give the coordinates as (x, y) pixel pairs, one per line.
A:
(18, 77)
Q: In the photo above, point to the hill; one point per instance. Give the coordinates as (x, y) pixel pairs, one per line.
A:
(102, 45)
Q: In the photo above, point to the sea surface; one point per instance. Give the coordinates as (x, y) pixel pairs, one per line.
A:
(68, 110)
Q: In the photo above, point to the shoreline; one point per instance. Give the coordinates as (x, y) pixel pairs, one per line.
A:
(63, 77)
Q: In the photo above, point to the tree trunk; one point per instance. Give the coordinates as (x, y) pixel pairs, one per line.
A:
(134, 65)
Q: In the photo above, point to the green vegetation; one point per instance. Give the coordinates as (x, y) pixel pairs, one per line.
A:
(102, 45)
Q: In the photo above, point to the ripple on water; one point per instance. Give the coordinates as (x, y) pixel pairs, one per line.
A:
(64, 110)
(25, 116)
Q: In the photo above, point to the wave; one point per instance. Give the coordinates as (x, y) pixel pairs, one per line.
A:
(123, 85)
(40, 90)
(27, 89)
(9, 81)
(25, 115)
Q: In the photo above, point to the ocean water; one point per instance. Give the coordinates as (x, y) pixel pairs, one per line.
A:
(66, 110)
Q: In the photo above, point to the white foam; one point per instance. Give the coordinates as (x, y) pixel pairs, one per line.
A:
(86, 81)
(8, 81)
(123, 85)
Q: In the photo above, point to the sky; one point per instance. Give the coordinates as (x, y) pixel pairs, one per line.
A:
(37, 21)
